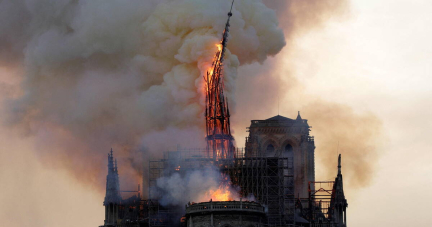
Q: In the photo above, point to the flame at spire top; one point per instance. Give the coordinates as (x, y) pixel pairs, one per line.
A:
(220, 142)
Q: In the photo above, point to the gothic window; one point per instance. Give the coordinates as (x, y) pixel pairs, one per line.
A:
(288, 148)
(270, 150)
(288, 152)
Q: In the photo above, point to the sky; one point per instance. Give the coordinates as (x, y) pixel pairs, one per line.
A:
(376, 59)
(379, 60)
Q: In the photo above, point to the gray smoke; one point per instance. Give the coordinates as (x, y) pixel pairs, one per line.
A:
(128, 75)
(194, 186)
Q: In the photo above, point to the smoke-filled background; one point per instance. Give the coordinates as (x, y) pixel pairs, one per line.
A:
(80, 77)
(101, 74)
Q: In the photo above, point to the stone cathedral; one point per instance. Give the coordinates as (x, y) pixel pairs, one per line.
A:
(273, 177)
(284, 137)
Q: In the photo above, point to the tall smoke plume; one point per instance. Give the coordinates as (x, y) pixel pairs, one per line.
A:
(106, 73)
(84, 76)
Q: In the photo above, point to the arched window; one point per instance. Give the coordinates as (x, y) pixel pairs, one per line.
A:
(270, 150)
(288, 151)
(288, 148)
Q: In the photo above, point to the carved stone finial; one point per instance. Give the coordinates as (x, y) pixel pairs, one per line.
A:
(298, 117)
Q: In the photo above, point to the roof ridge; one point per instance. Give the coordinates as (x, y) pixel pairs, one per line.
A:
(279, 118)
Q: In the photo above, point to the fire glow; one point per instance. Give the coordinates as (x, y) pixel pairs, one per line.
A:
(220, 143)
(223, 193)
(211, 69)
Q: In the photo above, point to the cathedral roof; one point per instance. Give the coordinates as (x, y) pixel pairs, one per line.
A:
(279, 118)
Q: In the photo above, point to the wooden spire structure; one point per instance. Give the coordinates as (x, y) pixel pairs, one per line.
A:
(220, 142)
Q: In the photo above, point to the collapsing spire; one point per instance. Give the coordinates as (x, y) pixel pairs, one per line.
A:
(220, 142)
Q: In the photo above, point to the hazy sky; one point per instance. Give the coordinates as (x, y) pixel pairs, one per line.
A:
(376, 59)
(379, 60)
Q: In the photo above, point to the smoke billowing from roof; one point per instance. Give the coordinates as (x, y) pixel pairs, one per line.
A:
(196, 185)
(104, 73)
(100, 74)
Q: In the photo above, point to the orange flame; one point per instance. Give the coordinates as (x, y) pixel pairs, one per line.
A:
(216, 59)
(223, 193)
(219, 46)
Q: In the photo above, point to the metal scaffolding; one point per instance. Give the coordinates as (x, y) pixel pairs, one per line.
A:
(269, 179)
(319, 210)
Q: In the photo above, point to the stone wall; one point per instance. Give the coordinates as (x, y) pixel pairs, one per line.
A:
(225, 214)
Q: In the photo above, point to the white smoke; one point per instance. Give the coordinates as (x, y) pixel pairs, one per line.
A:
(105, 73)
(194, 186)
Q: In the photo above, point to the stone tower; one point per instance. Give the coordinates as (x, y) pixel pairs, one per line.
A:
(112, 197)
(284, 137)
(338, 202)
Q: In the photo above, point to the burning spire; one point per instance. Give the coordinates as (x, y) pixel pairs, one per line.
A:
(220, 142)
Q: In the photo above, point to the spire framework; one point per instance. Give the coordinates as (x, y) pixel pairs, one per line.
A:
(220, 142)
